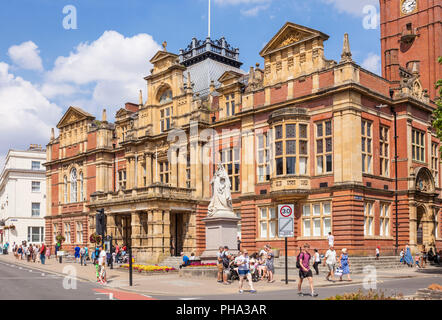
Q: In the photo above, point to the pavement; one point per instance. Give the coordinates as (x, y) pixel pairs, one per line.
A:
(173, 286)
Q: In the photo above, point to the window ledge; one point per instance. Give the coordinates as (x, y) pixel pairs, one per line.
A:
(378, 238)
(269, 239)
(312, 238)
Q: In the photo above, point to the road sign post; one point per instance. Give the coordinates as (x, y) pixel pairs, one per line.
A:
(286, 223)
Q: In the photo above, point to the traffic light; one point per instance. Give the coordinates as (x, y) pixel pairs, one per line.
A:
(100, 222)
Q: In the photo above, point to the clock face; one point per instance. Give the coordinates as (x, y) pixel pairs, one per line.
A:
(409, 6)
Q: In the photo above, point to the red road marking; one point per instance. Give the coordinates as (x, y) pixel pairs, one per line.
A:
(123, 295)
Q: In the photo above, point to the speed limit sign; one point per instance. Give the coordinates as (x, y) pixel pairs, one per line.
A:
(286, 220)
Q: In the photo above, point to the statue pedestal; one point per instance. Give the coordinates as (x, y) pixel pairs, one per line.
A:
(221, 230)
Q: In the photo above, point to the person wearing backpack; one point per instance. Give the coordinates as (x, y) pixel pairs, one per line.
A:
(226, 264)
(305, 271)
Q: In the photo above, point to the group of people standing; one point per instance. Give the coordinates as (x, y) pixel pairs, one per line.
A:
(420, 259)
(31, 252)
(259, 264)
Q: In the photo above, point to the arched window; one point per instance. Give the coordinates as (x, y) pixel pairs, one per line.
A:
(73, 185)
(166, 96)
(65, 186)
(81, 187)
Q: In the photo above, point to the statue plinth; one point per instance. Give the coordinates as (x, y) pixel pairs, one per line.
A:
(221, 230)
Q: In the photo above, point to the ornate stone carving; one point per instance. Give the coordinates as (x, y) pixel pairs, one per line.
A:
(291, 38)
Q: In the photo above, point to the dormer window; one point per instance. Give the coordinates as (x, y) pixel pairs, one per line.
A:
(230, 104)
(166, 97)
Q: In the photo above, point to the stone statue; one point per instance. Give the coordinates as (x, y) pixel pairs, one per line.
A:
(221, 203)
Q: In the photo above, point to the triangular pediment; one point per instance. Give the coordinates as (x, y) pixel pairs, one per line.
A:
(229, 75)
(161, 55)
(289, 35)
(73, 115)
(123, 112)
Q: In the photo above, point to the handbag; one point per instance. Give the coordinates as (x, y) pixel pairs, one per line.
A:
(339, 272)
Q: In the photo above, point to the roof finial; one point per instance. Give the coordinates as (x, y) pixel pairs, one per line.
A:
(104, 117)
(141, 98)
(346, 52)
(164, 46)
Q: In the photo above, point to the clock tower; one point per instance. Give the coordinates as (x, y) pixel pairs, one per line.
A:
(411, 40)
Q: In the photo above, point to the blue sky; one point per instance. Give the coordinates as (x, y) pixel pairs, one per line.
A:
(44, 68)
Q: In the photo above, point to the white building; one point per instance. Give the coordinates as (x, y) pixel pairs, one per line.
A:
(23, 196)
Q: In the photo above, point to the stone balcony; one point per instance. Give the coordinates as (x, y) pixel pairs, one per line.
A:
(152, 192)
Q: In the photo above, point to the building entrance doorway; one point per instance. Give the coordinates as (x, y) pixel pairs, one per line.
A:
(176, 234)
(420, 226)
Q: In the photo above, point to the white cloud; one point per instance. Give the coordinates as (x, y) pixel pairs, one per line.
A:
(109, 71)
(26, 56)
(372, 63)
(253, 12)
(353, 7)
(27, 116)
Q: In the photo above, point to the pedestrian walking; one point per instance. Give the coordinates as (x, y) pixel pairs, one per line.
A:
(238, 242)
(317, 261)
(82, 256)
(345, 264)
(102, 266)
(377, 252)
(77, 253)
(227, 257)
(330, 261)
(408, 257)
(219, 264)
(401, 255)
(48, 252)
(424, 256)
(331, 240)
(243, 263)
(270, 264)
(305, 271)
(43, 250)
(417, 260)
(86, 255)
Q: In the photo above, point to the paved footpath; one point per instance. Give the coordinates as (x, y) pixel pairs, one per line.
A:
(172, 285)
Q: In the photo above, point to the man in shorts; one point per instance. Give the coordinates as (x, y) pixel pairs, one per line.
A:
(305, 271)
(219, 264)
(243, 263)
(330, 261)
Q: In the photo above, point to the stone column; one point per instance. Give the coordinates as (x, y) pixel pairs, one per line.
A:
(166, 233)
(135, 230)
(157, 233)
(182, 166)
(148, 166)
(173, 168)
(413, 227)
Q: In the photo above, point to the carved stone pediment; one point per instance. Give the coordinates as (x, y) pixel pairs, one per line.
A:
(291, 34)
(73, 115)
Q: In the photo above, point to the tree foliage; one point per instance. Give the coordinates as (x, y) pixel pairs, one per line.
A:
(437, 123)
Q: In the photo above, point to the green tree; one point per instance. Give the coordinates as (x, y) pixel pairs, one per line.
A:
(437, 123)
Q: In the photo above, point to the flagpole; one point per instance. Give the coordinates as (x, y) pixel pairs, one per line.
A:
(209, 20)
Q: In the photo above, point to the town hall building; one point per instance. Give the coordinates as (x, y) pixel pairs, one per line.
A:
(301, 130)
